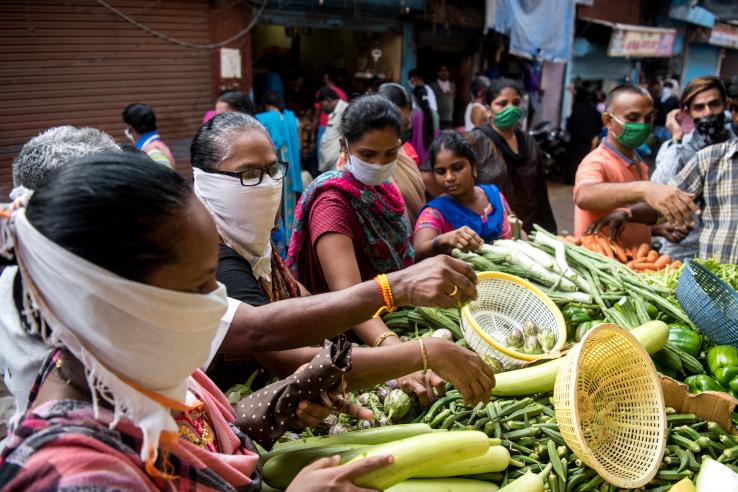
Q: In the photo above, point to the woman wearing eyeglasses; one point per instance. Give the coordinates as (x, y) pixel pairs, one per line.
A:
(238, 177)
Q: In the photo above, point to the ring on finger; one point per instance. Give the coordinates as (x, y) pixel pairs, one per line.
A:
(453, 292)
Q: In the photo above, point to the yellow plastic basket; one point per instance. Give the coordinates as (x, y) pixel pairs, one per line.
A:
(610, 408)
(506, 302)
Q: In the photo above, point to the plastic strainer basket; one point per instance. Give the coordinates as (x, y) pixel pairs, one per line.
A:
(610, 408)
(710, 303)
(506, 302)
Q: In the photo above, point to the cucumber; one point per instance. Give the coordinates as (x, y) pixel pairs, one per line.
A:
(530, 482)
(541, 378)
(496, 459)
(419, 454)
(281, 470)
(378, 435)
(443, 485)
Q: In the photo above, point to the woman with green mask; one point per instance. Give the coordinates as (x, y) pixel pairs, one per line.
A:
(510, 159)
(613, 175)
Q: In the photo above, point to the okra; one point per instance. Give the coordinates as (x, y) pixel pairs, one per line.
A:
(498, 430)
(683, 460)
(673, 476)
(438, 420)
(553, 435)
(553, 482)
(517, 464)
(529, 432)
(693, 465)
(480, 423)
(718, 432)
(553, 456)
(593, 482)
(681, 419)
(440, 403)
(453, 418)
(532, 410)
(489, 429)
(686, 443)
(729, 454)
(514, 407)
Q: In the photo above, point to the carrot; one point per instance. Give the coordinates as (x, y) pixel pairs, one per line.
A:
(653, 255)
(676, 265)
(620, 253)
(642, 251)
(605, 245)
(662, 262)
(587, 242)
(647, 267)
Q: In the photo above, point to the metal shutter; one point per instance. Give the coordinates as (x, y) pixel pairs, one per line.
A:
(74, 62)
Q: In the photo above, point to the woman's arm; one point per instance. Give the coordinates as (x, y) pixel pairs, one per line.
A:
(424, 242)
(304, 321)
(341, 269)
(371, 366)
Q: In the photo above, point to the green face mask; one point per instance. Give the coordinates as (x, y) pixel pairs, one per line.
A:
(634, 134)
(508, 117)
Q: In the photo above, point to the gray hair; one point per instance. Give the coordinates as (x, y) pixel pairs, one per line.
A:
(212, 143)
(55, 147)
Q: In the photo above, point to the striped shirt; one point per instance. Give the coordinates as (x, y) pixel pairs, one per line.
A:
(712, 176)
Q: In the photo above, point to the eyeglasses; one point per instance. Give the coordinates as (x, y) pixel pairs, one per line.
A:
(253, 176)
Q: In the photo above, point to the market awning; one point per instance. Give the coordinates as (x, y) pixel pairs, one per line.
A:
(633, 41)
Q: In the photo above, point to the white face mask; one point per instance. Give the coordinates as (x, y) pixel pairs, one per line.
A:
(244, 215)
(125, 333)
(368, 173)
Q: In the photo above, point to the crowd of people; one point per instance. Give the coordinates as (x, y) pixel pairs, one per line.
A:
(132, 298)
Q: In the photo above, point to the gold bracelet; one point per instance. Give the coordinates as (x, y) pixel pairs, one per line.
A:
(384, 336)
(425, 355)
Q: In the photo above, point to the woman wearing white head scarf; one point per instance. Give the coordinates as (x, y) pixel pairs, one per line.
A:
(118, 260)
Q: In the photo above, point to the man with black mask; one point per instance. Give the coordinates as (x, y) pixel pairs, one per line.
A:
(704, 101)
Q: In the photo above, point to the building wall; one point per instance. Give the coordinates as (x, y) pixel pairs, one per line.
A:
(76, 63)
(626, 12)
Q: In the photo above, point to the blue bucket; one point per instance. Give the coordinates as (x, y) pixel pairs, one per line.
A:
(710, 303)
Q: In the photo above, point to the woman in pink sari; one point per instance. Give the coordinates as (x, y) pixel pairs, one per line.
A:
(118, 262)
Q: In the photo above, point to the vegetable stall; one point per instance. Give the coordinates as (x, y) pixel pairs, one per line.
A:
(515, 443)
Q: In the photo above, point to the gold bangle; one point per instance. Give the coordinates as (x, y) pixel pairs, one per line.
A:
(424, 354)
(384, 336)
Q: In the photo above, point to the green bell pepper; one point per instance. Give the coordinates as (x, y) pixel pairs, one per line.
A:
(576, 315)
(722, 361)
(685, 338)
(652, 310)
(722, 356)
(702, 382)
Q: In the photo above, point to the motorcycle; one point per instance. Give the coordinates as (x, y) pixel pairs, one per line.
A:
(553, 143)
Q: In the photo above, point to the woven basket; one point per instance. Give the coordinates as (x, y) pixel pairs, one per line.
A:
(710, 303)
(506, 302)
(610, 408)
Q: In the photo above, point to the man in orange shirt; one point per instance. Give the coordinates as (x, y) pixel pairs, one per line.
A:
(613, 176)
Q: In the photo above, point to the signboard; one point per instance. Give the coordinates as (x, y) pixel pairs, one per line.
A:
(724, 35)
(650, 43)
(230, 63)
